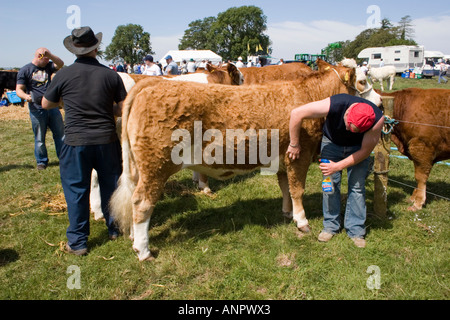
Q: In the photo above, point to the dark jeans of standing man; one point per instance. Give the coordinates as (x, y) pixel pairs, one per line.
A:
(76, 164)
(40, 121)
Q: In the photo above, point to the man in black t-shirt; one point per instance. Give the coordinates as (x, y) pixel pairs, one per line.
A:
(32, 81)
(92, 94)
(351, 131)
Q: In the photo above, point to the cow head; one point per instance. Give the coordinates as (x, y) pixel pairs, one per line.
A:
(235, 76)
(362, 87)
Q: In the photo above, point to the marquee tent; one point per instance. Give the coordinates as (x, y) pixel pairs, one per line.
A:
(198, 55)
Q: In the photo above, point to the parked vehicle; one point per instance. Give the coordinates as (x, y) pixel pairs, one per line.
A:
(401, 57)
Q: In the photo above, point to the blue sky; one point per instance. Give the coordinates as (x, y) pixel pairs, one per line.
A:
(294, 26)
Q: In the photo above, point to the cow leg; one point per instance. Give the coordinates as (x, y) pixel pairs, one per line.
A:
(203, 183)
(148, 190)
(381, 85)
(391, 82)
(422, 158)
(297, 171)
(421, 174)
(418, 197)
(143, 203)
(283, 182)
(94, 197)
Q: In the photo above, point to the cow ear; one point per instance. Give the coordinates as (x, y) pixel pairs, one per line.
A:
(231, 67)
(210, 68)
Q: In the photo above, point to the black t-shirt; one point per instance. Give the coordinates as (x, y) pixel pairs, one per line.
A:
(334, 128)
(89, 91)
(36, 81)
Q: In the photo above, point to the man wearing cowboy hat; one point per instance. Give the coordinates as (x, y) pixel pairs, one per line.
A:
(92, 95)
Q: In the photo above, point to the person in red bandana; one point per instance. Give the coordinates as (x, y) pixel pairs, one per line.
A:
(351, 131)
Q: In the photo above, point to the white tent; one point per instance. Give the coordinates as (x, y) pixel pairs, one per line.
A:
(198, 55)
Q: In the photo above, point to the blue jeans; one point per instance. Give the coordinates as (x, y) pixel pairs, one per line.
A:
(76, 164)
(355, 211)
(40, 121)
(441, 76)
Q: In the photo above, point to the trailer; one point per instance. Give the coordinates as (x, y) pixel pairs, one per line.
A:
(401, 57)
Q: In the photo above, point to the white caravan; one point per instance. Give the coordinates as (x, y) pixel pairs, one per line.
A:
(401, 57)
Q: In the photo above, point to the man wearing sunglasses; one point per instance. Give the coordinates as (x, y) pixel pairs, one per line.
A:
(351, 131)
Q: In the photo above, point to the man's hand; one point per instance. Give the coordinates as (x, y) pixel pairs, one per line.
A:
(329, 168)
(293, 152)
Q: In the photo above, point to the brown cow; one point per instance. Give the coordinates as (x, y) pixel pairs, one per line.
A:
(423, 132)
(229, 75)
(285, 72)
(294, 71)
(155, 110)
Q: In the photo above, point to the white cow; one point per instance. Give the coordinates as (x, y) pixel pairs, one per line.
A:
(384, 73)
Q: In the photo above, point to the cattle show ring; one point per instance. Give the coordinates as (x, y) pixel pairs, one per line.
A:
(211, 207)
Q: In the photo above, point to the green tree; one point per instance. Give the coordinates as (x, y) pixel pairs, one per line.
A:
(196, 37)
(129, 43)
(238, 31)
(385, 36)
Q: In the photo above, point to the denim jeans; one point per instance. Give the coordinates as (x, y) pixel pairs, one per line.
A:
(441, 76)
(355, 210)
(40, 121)
(76, 164)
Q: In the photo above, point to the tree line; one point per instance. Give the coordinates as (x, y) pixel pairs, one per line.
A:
(241, 31)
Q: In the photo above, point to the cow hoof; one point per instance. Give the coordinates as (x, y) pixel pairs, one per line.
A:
(207, 191)
(149, 258)
(305, 229)
(413, 208)
(146, 256)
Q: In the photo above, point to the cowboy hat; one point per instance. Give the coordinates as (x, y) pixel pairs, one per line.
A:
(82, 41)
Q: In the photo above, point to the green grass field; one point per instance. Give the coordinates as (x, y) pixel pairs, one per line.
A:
(234, 245)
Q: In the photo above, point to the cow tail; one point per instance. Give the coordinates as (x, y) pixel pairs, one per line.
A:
(120, 203)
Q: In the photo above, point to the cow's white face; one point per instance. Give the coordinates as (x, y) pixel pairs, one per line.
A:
(365, 89)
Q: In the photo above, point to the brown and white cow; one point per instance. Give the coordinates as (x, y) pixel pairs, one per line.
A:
(227, 75)
(423, 132)
(155, 110)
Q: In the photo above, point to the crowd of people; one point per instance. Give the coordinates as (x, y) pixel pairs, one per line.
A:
(154, 68)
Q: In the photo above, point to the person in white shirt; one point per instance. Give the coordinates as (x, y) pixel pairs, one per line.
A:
(151, 68)
(240, 64)
(191, 67)
(364, 67)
